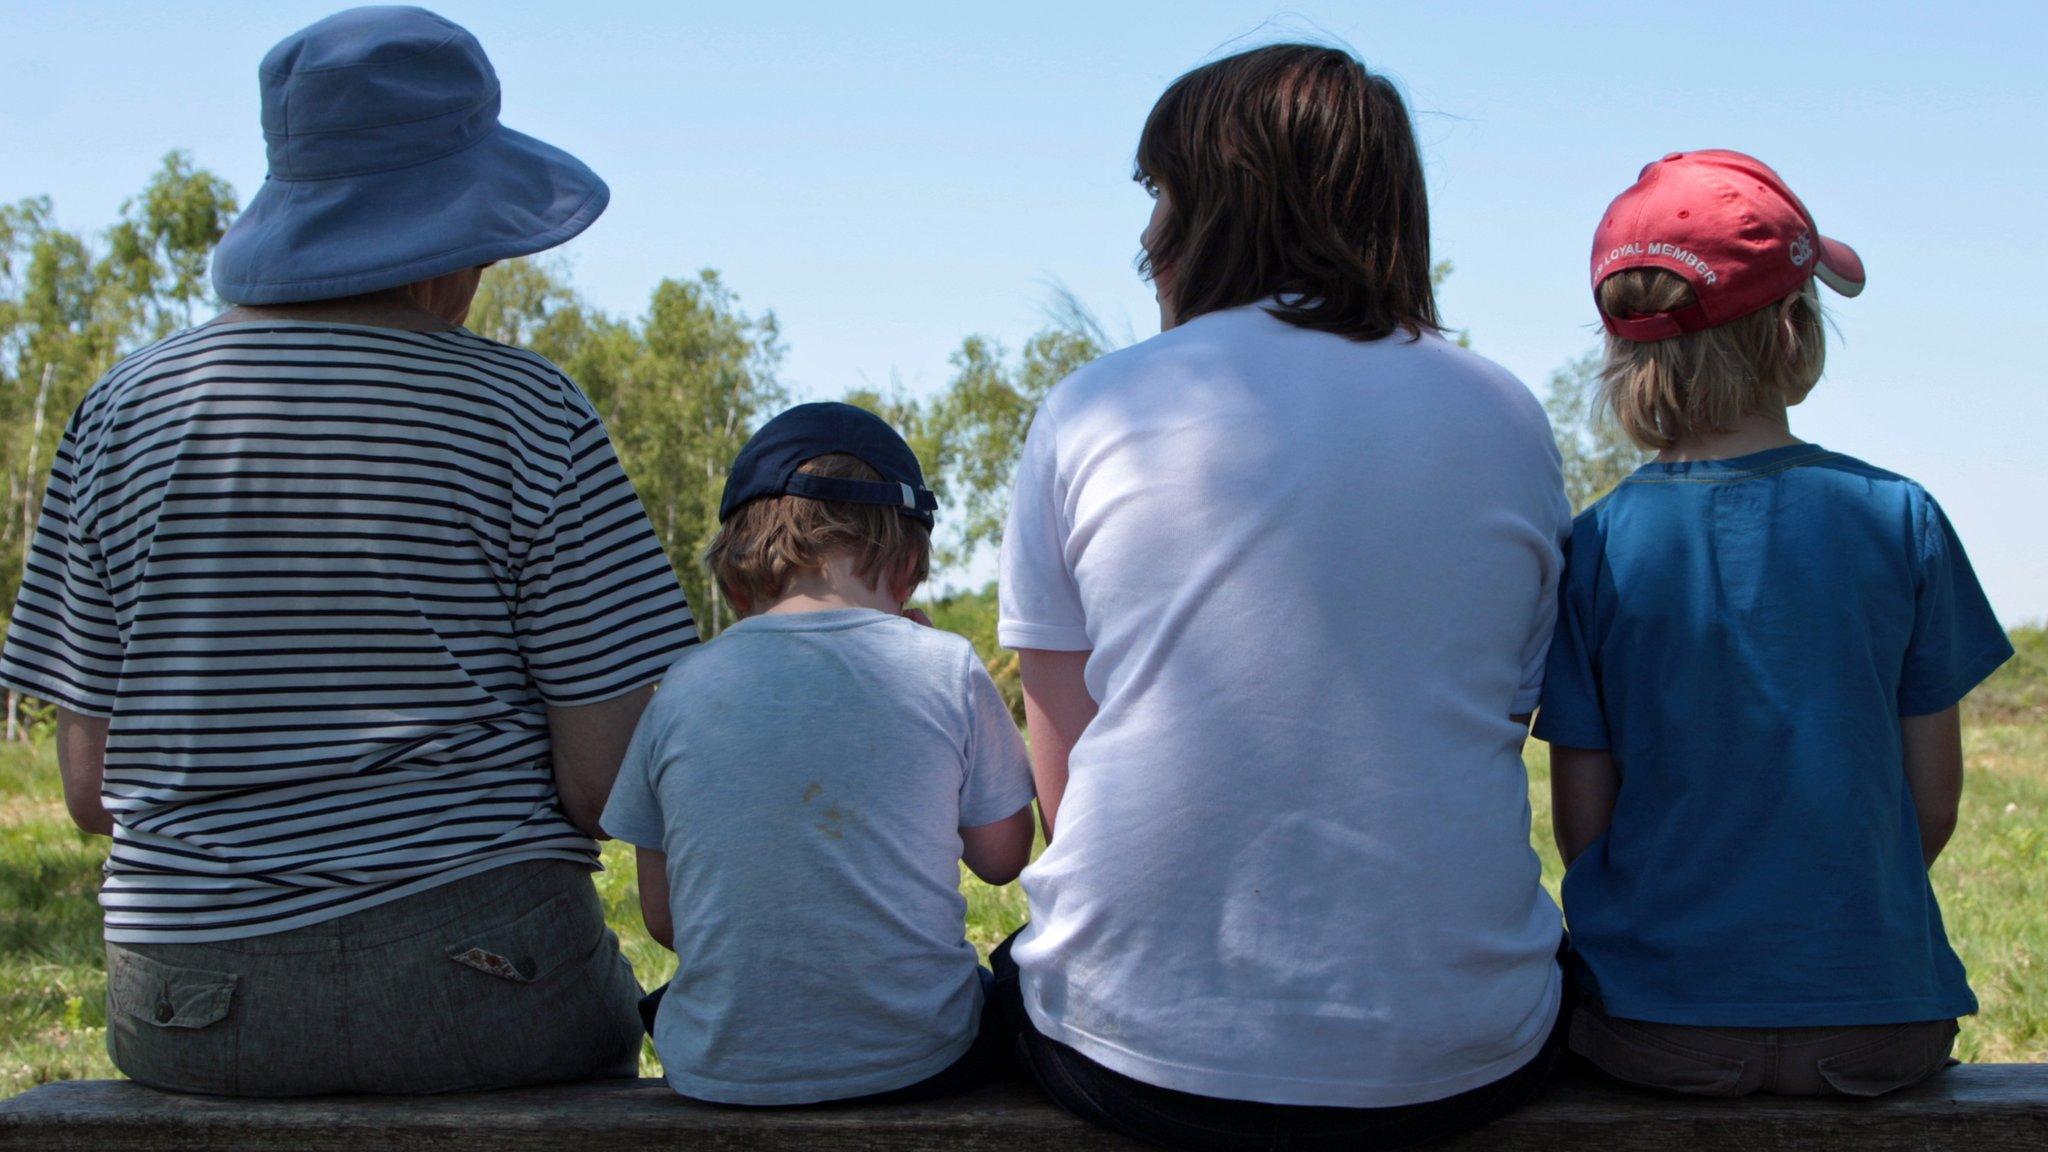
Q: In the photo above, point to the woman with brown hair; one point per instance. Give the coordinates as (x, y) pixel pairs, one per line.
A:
(1282, 579)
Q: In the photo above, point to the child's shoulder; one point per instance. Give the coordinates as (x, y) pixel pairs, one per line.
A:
(1816, 467)
(1829, 491)
(672, 686)
(1852, 483)
(1844, 464)
(905, 644)
(926, 664)
(947, 650)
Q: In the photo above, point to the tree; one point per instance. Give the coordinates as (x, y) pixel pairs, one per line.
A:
(970, 435)
(1597, 453)
(518, 299)
(680, 387)
(968, 438)
(680, 390)
(68, 312)
(156, 262)
(707, 378)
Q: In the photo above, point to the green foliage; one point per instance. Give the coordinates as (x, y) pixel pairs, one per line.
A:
(2018, 692)
(157, 255)
(1597, 453)
(1438, 273)
(969, 436)
(680, 389)
(983, 416)
(973, 615)
(69, 310)
(52, 965)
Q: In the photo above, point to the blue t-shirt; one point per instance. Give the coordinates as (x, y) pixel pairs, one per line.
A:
(1743, 636)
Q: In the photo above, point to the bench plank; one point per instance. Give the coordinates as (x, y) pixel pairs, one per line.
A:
(1975, 1108)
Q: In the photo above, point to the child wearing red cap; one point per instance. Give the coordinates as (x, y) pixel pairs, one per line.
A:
(1751, 696)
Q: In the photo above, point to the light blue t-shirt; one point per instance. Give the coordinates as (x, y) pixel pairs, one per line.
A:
(807, 776)
(1743, 636)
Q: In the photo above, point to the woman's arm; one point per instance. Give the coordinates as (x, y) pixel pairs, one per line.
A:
(1583, 785)
(82, 762)
(1934, 775)
(653, 869)
(997, 852)
(1057, 708)
(589, 742)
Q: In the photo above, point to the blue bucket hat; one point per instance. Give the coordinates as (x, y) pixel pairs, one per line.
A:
(388, 165)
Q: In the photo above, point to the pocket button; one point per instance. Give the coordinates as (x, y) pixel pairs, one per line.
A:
(164, 1011)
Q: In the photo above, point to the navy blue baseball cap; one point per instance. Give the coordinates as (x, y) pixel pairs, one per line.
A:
(768, 465)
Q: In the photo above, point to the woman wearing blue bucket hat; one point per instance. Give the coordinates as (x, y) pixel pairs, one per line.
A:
(348, 613)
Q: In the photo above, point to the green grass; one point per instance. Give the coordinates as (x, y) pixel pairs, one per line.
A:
(53, 1018)
(1993, 883)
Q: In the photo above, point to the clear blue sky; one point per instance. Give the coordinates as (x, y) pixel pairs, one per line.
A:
(890, 178)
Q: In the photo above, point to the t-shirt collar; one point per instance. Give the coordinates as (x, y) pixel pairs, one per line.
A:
(1768, 460)
(823, 620)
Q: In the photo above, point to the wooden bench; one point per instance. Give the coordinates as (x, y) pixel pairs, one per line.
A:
(1974, 1108)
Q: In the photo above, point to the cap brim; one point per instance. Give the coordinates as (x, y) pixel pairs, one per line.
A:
(1839, 268)
(508, 195)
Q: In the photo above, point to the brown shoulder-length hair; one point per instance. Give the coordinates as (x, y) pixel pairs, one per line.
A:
(1290, 171)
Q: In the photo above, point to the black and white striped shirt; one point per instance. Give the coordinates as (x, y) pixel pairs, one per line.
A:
(325, 580)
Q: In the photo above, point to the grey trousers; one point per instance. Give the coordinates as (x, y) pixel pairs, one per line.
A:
(1867, 1060)
(505, 978)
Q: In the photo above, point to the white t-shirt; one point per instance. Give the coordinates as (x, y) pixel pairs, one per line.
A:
(807, 776)
(1315, 577)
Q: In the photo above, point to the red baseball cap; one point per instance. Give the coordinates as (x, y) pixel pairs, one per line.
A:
(1728, 225)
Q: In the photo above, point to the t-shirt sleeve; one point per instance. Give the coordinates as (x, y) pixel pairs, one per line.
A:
(64, 641)
(600, 611)
(1956, 640)
(633, 812)
(1040, 604)
(998, 780)
(1570, 711)
(1543, 626)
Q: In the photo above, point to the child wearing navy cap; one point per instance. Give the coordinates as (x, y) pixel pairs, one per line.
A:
(1751, 697)
(802, 790)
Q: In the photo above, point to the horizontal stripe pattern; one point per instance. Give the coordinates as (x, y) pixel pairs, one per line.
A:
(325, 581)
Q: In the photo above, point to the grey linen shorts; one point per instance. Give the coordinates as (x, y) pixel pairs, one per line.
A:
(504, 978)
(1866, 1060)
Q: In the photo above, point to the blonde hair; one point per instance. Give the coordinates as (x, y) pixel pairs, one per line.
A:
(1664, 391)
(771, 541)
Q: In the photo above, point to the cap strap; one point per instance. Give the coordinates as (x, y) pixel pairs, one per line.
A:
(863, 492)
(1654, 326)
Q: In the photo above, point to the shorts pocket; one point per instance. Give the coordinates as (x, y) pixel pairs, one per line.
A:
(1638, 1055)
(527, 950)
(1901, 1058)
(169, 1026)
(526, 1000)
